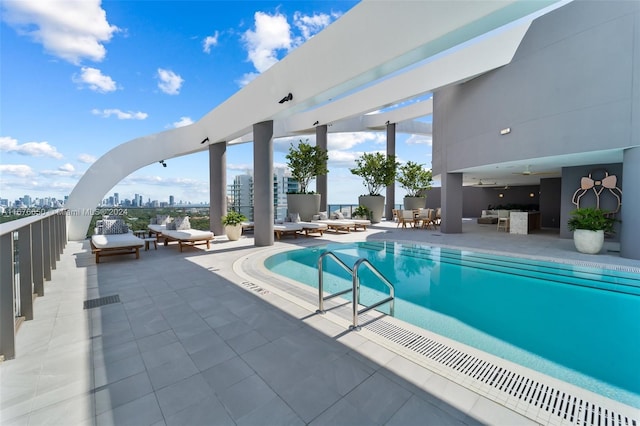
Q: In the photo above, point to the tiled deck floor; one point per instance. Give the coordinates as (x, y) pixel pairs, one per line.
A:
(190, 345)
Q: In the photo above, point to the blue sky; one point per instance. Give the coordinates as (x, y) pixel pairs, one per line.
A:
(80, 77)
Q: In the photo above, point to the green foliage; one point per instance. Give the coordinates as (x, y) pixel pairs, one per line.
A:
(414, 178)
(362, 211)
(233, 218)
(591, 219)
(377, 170)
(306, 162)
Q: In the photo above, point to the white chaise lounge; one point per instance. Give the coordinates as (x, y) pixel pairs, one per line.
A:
(115, 244)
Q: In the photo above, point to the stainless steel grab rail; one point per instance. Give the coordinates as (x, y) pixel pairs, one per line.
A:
(356, 292)
(355, 288)
(321, 299)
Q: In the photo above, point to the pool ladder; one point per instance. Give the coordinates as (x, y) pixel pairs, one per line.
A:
(355, 288)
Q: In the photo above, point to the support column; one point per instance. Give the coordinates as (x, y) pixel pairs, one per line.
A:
(391, 189)
(451, 203)
(321, 180)
(629, 230)
(217, 186)
(263, 183)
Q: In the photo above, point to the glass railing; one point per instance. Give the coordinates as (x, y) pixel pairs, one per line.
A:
(29, 250)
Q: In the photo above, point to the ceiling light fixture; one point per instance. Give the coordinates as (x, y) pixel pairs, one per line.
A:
(163, 163)
(286, 98)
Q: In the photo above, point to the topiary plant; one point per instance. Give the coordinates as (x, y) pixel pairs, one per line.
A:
(377, 170)
(306, 162)
(414, 178)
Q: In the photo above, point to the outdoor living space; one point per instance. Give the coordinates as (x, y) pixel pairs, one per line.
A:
(197, 338)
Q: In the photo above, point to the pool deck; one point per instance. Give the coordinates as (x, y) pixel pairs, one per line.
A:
(193, 341)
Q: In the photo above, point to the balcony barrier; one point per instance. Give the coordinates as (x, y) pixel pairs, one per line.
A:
(29, 250)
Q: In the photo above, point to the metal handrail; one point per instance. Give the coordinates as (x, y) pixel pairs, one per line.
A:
(355, 288)
(356, 291)
(321, 299)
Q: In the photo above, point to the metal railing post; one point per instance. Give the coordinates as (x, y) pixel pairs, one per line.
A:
(320, 286)
(46, 248)
(7, 297)
(26, 274)
(37, 258)
(355, 280)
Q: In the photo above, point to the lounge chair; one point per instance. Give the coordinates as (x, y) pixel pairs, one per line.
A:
(115, 244)
(287, 228)
(313, 227)
(185, 236)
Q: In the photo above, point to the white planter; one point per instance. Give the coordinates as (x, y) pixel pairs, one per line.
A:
(375, 203)
(589, 242)
(304, 204)
(233, 232)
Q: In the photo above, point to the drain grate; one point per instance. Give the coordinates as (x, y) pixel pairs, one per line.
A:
(570, 408)
(101, 301)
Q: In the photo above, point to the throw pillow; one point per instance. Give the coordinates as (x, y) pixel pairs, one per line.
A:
(294, 217)
(171, 226)
(316, 217)
(182, 223)
(337, 215)
(114, 226)
(163, 219)
(323, 216)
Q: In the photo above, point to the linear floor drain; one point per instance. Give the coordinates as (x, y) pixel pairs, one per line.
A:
(101, 301)
(569, 408)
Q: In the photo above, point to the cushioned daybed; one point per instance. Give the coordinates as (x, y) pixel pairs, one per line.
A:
(287, 228)
(181, 232)
(115, 244)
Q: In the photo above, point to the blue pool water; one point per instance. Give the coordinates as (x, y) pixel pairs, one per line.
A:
(576, 323)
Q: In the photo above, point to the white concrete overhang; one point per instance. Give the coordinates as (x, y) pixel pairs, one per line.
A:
(352, 61)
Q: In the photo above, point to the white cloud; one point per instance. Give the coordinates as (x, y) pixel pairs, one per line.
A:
(248, 168)
(341, 159)
(121, 115)
(346, 141)
(96, 81)
(247, 78)
(311, 24)
(419, 140)
(86, 158)
(210, 41)
(32, 149)
(170, 82)
(184, 121)
(20, 170)
(272, 33)
(67, 167)
(69, 29)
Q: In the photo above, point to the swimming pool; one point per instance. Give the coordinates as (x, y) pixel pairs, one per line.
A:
(577, 323)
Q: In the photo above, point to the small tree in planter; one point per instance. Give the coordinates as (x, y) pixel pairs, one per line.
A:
(378, 171)
(415, 180)
(589, 225)
(232, 223)
(306, 162)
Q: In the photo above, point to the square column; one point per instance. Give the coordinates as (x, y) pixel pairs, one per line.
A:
(451, 200)
(217, 186)
(629, 229)
(321, 180)
(263, 183)
(391, 189)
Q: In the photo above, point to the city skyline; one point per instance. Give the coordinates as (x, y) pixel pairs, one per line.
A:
(142, 72)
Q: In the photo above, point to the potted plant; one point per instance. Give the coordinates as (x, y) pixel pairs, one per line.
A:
(305, 162)
(232, 223)
(378, 171)
(415, 180)
(361, 212)
(589, 225)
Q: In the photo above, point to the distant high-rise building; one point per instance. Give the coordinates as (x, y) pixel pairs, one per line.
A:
(172, 200)
(282, 184)
(26, 200)
(240, 194)
(116, 199)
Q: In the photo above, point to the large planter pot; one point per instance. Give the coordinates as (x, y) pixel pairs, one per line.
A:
(412, 203)
(589, 242)
(375, 203)
(306, 205)
(233, 232)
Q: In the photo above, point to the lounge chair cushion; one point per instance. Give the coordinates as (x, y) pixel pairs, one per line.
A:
(112, 241)
(189, 235)
(294, 217)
